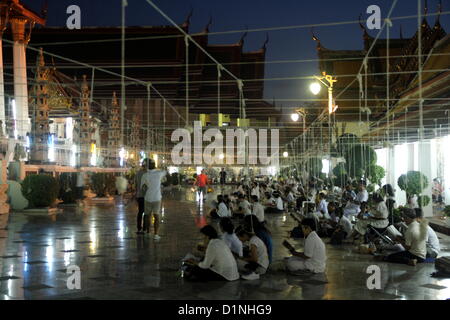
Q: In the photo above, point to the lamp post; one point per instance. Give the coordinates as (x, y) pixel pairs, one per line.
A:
(301, 113)
(328, 81)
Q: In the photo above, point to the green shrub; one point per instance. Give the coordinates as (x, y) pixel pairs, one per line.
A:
(423, 201)
(371, 188)
(410, 183)
(40, 190)
(175, 179)
(375, 174)
(346, 142)
(68, 187)
(396, 215)
(340, 175)
(103, 184)
(315, 166)
(359, 159)
(447, 211)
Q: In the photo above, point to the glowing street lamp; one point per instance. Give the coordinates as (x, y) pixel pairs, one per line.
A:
(315, 88)
(285, 154)
(295, 117)
(329, 82)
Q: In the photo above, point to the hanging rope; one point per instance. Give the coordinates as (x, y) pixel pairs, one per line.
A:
(186, 42)
(219, 77)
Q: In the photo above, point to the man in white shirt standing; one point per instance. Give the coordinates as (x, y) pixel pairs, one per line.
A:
(314, 257)
(151, 181)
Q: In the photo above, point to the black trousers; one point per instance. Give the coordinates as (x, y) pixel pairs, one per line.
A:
(252, 266)
(203, 275)
(274, 210)
(141, 208)
(403, 257)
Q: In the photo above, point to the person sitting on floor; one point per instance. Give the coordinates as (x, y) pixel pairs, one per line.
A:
(268, 200)
(257, 261)
(243, 207)
(222, 209)
(433, 245)
(257, 209)
(218, 264)
(230, 238)
(322, 206)
(290, 198)
(332, 211)
(252, 223)
(414, 241)
(314, 257)
(379, 215)
(278, 207)
(344, 229)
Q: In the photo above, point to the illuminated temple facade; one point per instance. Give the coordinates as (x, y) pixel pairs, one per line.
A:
(82, 118)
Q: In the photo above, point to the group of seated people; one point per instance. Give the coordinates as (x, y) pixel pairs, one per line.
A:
(358, 217)
(246, 250)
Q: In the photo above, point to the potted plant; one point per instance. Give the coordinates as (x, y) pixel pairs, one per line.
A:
(103, 184)
(41, 191)
(413, 183)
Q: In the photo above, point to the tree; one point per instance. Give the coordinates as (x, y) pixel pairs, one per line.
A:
(359, 159)
(413, 183)
(375, 174)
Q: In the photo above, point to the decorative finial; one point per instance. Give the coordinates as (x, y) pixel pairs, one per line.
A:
(188, 19)
(401, 32)
(319, 45)
(266, 42)
(438, 19)
(241, 42)
(425, 9)
(363, 28)
(209, 24)
(44, 10)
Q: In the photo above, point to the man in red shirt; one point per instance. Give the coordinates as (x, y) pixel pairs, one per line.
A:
(202, 183)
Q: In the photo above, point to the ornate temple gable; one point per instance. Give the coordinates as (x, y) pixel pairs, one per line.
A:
(409, 62)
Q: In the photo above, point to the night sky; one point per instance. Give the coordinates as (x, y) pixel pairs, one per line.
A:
(240, 14)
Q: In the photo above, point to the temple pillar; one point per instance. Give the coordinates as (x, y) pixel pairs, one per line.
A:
(2, 93)
(3, 20)
(20, 75)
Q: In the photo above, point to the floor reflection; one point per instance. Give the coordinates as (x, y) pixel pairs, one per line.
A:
(116, 263)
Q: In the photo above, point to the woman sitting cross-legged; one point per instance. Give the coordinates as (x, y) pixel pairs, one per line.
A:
(218, 264)
(257, 260)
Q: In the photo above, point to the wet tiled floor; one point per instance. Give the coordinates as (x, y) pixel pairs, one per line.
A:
(115, 263)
